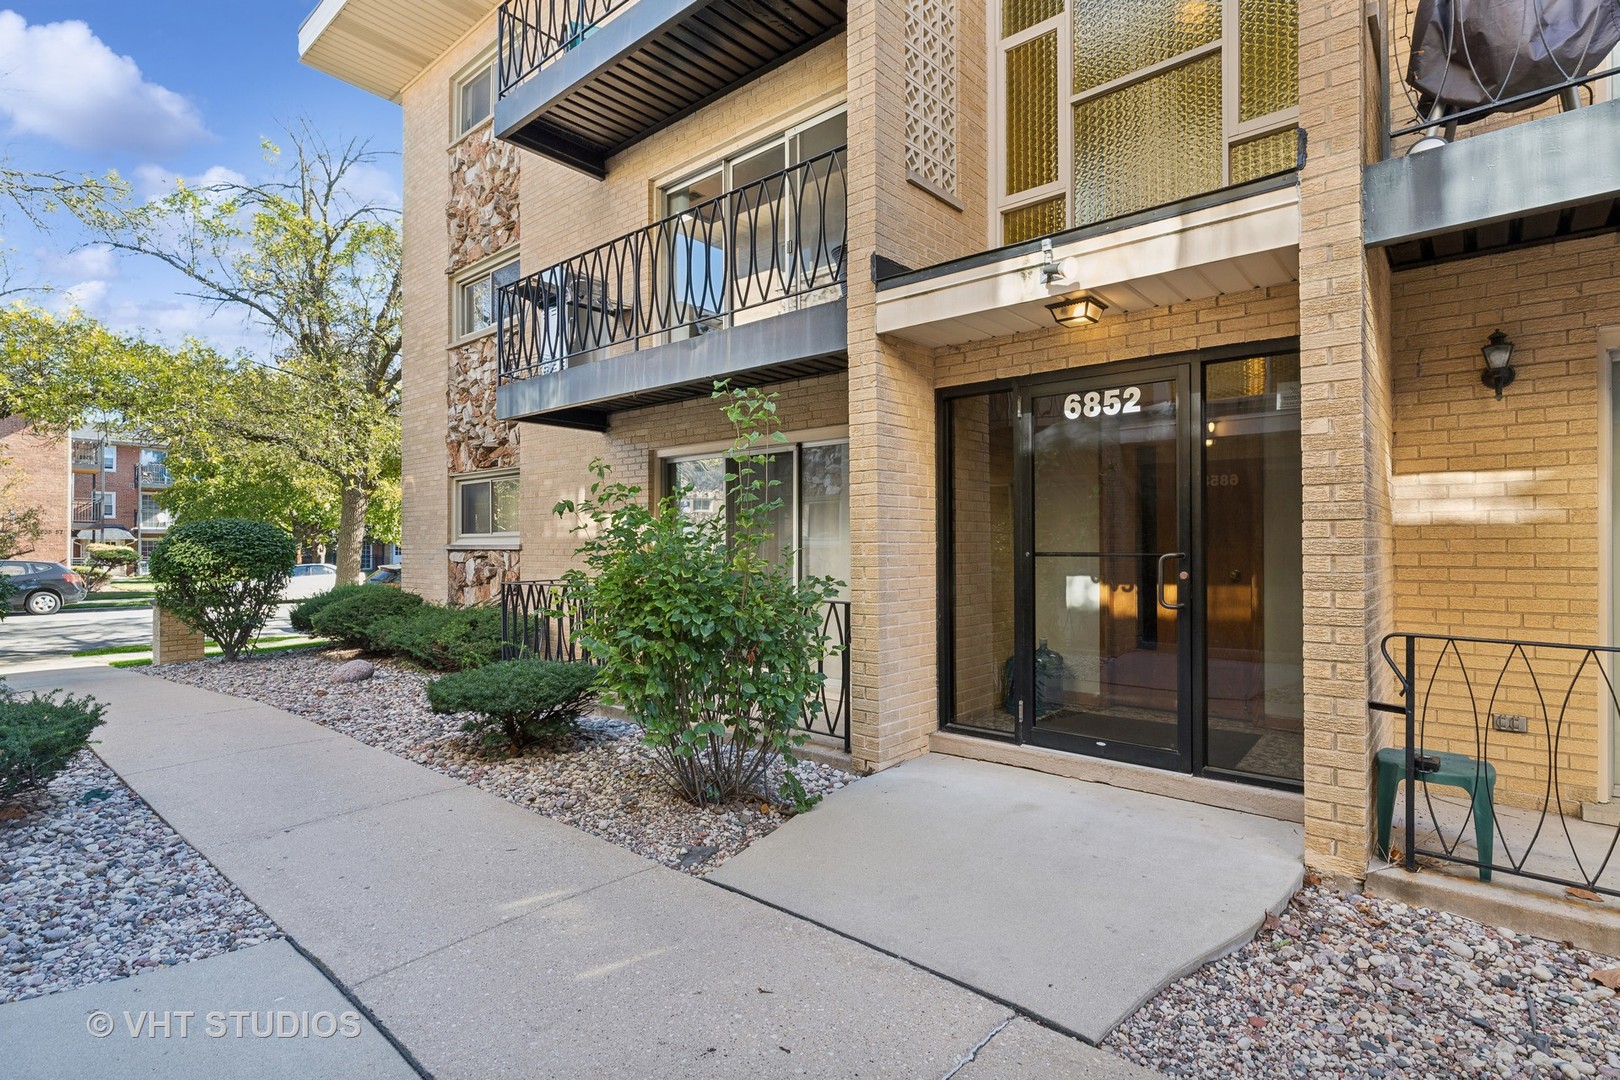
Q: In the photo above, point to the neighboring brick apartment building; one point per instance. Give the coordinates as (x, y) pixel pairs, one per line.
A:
(90, 486)
(38, 466)
(1129, 358)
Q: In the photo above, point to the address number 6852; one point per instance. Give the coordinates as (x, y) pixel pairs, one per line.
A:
(1111, 402)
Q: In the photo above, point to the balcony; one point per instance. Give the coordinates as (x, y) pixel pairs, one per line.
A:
(155, 475)
(746, 286)
(89, 512)
(581, 80)
(1493, 143)
(86, 456)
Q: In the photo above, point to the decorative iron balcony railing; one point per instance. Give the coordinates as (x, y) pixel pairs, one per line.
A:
(1500, 746)
(1459, 64)
(770, 246)
(529, 33)
(538, 619)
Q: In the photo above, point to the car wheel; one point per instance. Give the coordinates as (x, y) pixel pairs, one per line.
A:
(43, 602)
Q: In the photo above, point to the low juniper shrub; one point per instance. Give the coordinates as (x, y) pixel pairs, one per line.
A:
(39, 734)
(516, 702)
(360, 618)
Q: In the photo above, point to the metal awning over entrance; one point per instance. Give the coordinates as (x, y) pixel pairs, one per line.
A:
(1226, 242)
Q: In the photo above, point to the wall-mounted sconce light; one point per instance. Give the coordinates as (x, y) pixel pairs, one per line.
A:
(1498, 371)
(1080, 310)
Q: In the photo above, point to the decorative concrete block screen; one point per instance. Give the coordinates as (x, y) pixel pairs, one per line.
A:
(931, 94)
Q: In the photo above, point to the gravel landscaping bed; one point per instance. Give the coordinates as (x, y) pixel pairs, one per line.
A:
(602, 781)
(94, 886)
(1363, 987)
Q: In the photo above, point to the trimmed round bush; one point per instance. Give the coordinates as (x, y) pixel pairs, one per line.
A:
(358, 618)
(517, 702)
(223, 577)
(304, 611)
(39, 735)
(445, 638)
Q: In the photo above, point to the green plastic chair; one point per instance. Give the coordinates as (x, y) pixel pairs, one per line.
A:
(1456, 770)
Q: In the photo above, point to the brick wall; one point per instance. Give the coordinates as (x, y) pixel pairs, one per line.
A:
(39, 466)
(1496, 503)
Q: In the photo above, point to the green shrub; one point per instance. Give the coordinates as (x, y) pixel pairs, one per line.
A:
(517, 701)
(445, 638)
(711, 646)
(359, 617)
(39, 735)
(102, 560)
(223, 577)
(304, 611)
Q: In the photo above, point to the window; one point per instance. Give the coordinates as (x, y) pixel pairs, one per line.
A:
(153, 516)
(475, 296)
(1113, 106)
(811, 481)
(109, 457)
(475, 98)
(108, 501)
(487, 506)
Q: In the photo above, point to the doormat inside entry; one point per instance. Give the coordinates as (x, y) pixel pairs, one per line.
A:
(1140, 731)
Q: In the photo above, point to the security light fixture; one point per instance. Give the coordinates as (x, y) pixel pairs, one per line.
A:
(1498, 371)
(1050, 270)
(1082, 309)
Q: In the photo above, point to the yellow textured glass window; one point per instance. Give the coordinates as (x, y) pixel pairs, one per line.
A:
(1019, 15)
(1274, 153)
(1032, 116)
(1035, 220)
(1149, 143)
(1116, 37)
(1268, 50)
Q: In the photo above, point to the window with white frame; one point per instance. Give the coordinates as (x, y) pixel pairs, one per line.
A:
(1108, 107)
(475, 296)
(475, 97)
(109, 457)
(108, 501)
(486, 506)
(811, 481)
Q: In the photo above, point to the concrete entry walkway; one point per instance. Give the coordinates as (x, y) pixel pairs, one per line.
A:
(1073, 901)
(494, 942)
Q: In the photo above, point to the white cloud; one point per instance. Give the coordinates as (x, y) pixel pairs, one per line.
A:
(96, 261)
(86, 296)
(152, 181)
(371, 185)
(59, 81)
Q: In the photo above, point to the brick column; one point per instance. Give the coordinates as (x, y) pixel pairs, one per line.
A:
(1346, 433)
(173, 642)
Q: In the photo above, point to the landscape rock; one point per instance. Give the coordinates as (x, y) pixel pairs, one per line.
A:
(353, 671)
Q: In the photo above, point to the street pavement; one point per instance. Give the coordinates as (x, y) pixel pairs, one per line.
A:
(30, 640)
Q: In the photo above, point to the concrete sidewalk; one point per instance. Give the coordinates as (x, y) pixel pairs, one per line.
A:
(495, 942)
(1074, 901)
(138, 1028)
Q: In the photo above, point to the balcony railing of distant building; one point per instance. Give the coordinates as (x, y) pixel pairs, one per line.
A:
(156, 520)
(530, 33)
(1467, 63)
(538, 619)
(89, 512)
(770, 246)
(1498, 746)
(155, 476)
(87, 456)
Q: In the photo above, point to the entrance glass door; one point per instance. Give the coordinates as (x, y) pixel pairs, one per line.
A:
(1108, 568)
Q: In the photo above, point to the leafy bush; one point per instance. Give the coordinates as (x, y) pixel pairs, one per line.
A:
(304, 611)
(517, 701)
(359, 618)
(7, 589)
(38, 736)
(223, 577)
(445, 638)
(100, 562)
(711, 647)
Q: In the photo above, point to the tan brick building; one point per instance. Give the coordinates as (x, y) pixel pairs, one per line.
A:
(1129, 354)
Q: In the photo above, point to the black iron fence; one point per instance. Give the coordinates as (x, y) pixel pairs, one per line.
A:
(1472, 61)
(769, 246)
(538, 619)
(529, 33)
(1501, 746)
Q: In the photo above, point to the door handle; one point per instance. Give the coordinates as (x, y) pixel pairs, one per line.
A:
(1167, 556)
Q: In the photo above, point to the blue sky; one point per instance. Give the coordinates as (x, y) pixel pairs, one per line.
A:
(157, 89)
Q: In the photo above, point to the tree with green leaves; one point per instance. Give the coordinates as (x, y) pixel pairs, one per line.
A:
(317, 268)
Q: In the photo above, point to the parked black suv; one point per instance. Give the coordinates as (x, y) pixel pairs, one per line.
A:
(41, 588)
